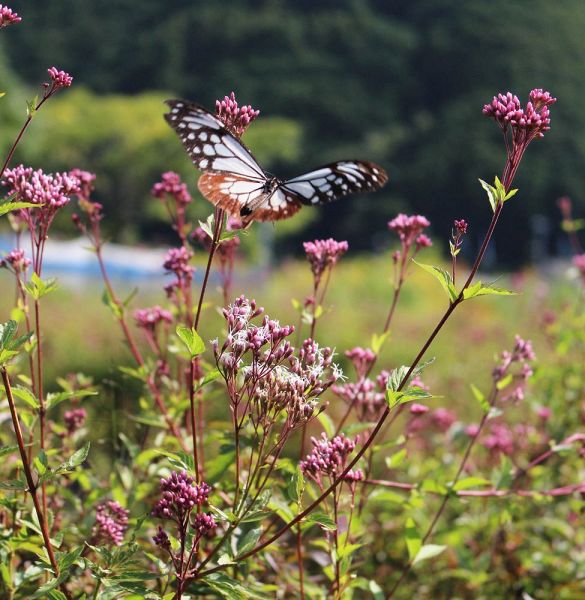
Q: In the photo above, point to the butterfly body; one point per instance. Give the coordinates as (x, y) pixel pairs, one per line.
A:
(233, 180)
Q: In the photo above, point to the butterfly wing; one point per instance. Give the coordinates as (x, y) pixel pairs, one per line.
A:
(209, 144)
(248, 199)
(335, 180)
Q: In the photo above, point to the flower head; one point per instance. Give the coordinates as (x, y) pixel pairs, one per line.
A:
(179, 496)
(111, 521)
(362, 359)
(236, 118)
(171, 186)
(59, 78)
(8, 16)
(328, 457)
(408, 228)
(149, 318)
(74, 419)
(324, 254)
(85, 179)
(16, 261)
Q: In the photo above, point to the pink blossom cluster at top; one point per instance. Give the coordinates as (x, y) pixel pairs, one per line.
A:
(16, 260)
(149, 318)
(111, 521)
(324, 254)
(410, 228)
(460, 226)
(171, 185)
(236, 118)
(51, 190)
(534, 118)
(328, 457)
(179, 496)
(59, 78)
(8, 16)
(74, 419)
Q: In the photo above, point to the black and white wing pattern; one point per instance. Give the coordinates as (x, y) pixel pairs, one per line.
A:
(234, 181)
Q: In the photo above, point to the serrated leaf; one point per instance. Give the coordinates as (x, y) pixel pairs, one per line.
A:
(470, 482)
(443, 277)
(296, 486)
(210, 376)
(54, 399)
(26, 396)
(248, 541)
(321, 519)
(428, 551)
(193, 342)
(7, 207)
(479, 289)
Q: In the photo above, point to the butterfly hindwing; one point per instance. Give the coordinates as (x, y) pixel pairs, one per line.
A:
(335, 180)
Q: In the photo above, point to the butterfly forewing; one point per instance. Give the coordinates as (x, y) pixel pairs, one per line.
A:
(210, 146)
(335, 180)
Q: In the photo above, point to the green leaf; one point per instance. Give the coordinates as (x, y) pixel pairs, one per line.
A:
(248, 541)
(7, 331)
(191, 339)
(492, 193)
(396, 459)
(26, 396)
(412, 538)
(443, 277)
(480, 398)
(428, 551)
(225, 586)
(53, 399)
(327, 424)
(6, 207)
(4, 450)
(114, 306)
(38, 287)
(209, 377)
(505, 381)
(479, 289)
(378, 341)
(470, 482)
(321, 519)
(15, 484)
(409, 394)
(296, 486)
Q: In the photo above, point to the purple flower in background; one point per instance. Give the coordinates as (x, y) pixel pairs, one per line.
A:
(8, 16)
(16, 260)
(74, 419)
(579, 262)
(362, 359)
(418, 409)
(171, 185)
(111, 521)
(85, 179)
(328, 457)
(235, 118)
(324, 254)
(149, 318)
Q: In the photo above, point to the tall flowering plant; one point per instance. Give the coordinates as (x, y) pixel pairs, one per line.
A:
(257, 468)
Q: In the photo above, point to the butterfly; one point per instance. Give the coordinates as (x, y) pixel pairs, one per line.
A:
(234, 181)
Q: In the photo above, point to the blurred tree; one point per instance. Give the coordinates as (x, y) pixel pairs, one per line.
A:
(400, 83)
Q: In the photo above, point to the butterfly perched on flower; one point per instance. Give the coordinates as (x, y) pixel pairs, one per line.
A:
(234, 181)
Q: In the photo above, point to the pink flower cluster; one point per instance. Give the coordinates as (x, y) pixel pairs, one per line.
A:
(44, 189)
(8, 16)
(362, 360)
(507, 111)
(460, 226)
(59, 78)
(328, 457)
(111, 522)
(236, 118)
(171, 185)
(367, 397)
(179, 496)
(522, 354)
(324, 254)
(74, 419)
(149, 318)
(16, 260)
(410, 228)
(85, 179)
(177, 262)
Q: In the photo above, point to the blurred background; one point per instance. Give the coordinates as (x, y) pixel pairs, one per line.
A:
(399, 83)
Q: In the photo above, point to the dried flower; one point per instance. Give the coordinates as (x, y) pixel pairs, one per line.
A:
(8, 16)
(111, 521)
(235, 118)
(324, 254)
